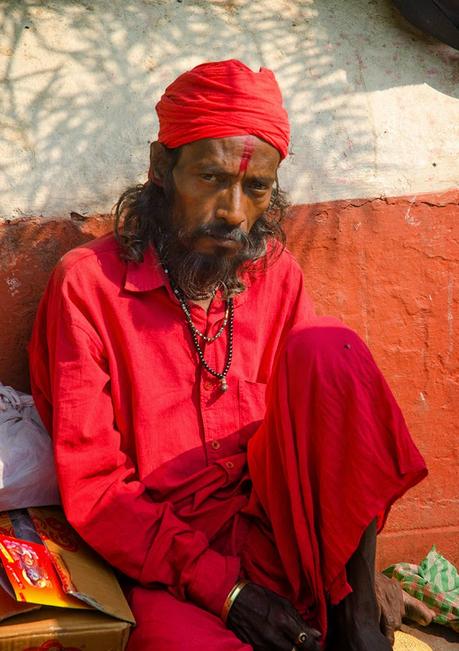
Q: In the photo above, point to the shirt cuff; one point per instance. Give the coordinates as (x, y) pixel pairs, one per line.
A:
(213, 577)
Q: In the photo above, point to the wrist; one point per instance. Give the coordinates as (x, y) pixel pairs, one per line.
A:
(231, 598)
(212, 578)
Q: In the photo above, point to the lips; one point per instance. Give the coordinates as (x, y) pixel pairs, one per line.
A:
(226, 240)
(211, 244)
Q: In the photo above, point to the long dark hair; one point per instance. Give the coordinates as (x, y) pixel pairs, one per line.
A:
(142, 216)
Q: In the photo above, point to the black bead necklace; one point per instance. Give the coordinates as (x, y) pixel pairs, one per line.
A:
(195, 333)
(207, 339)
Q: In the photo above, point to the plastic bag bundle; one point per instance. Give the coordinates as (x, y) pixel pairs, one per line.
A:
(435, 581)
(27, 471)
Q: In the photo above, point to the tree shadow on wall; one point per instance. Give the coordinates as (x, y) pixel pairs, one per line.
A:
(81, 79)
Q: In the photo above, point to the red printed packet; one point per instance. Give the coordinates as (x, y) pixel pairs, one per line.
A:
(32, 575)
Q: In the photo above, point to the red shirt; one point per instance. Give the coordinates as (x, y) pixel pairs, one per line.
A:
(150, 453)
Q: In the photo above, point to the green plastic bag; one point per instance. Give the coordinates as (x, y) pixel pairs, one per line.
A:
(435, 582)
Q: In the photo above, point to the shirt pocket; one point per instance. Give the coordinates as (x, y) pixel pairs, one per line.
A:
(252, 408)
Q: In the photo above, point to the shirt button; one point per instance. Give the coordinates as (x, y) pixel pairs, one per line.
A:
(208, 386)
(215, 445)
(229, 465)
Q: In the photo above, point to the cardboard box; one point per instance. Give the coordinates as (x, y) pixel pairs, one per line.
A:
(45, 562)
(61, 629)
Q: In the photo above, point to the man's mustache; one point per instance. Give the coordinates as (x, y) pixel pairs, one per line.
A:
(220, 232)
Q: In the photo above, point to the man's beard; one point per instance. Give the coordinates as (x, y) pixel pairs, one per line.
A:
(199, 274)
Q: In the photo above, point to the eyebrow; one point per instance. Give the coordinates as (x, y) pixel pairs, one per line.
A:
(213, 168)
(269, 180)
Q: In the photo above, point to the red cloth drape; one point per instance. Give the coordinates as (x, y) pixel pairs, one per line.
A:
(222, 99)
(333, 453)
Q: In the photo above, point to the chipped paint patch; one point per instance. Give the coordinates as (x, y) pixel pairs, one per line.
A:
(409, 217)
(13, 285)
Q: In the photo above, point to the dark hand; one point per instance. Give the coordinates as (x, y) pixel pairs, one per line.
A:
(266, 621)
(395, 605)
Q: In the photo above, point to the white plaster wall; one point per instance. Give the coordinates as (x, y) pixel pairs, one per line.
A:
(373, 103)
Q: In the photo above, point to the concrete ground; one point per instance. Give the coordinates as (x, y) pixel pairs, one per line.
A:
(439, 638)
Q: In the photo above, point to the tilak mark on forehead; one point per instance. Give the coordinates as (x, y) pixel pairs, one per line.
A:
(249, 146)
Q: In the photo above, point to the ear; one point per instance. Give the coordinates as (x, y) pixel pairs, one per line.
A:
(159, 161)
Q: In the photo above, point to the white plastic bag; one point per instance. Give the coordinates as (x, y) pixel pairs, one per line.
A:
(27, 471)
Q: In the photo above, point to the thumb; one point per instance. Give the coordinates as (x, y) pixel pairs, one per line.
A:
(417, 611)
(388, 628)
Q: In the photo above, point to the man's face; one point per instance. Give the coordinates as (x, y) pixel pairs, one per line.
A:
(222, 186)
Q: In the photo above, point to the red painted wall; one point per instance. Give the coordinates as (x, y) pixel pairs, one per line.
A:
(388, 268)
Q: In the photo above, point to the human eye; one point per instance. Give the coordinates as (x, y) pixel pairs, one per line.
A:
(259, 186)
(211, 178)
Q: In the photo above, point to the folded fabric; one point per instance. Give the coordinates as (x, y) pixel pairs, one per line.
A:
(435, 582)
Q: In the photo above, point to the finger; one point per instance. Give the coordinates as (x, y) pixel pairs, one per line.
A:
(296, 627)
(305, 634)
(293, 622)
(417, 611)
(388, 628)
(308, 640)
(303, 637)
(278, 642)
(269, 634)
(391, 618)
(269, 638)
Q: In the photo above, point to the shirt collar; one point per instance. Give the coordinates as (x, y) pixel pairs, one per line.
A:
(146, 275)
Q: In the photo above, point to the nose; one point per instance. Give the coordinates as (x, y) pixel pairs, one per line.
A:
(231, 206)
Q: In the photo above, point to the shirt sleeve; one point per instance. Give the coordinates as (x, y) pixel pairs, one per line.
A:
(101, 494)
(303, 309)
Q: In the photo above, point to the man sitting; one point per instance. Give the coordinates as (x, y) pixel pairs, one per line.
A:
(214, 441)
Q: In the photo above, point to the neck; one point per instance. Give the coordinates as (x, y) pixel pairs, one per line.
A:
(204, 303)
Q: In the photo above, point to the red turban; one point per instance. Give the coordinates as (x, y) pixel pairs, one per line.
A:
(221, 99)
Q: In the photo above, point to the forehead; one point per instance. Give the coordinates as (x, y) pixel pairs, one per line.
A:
(227, 153)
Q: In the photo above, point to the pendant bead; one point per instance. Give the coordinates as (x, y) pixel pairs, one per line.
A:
(223, 384)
